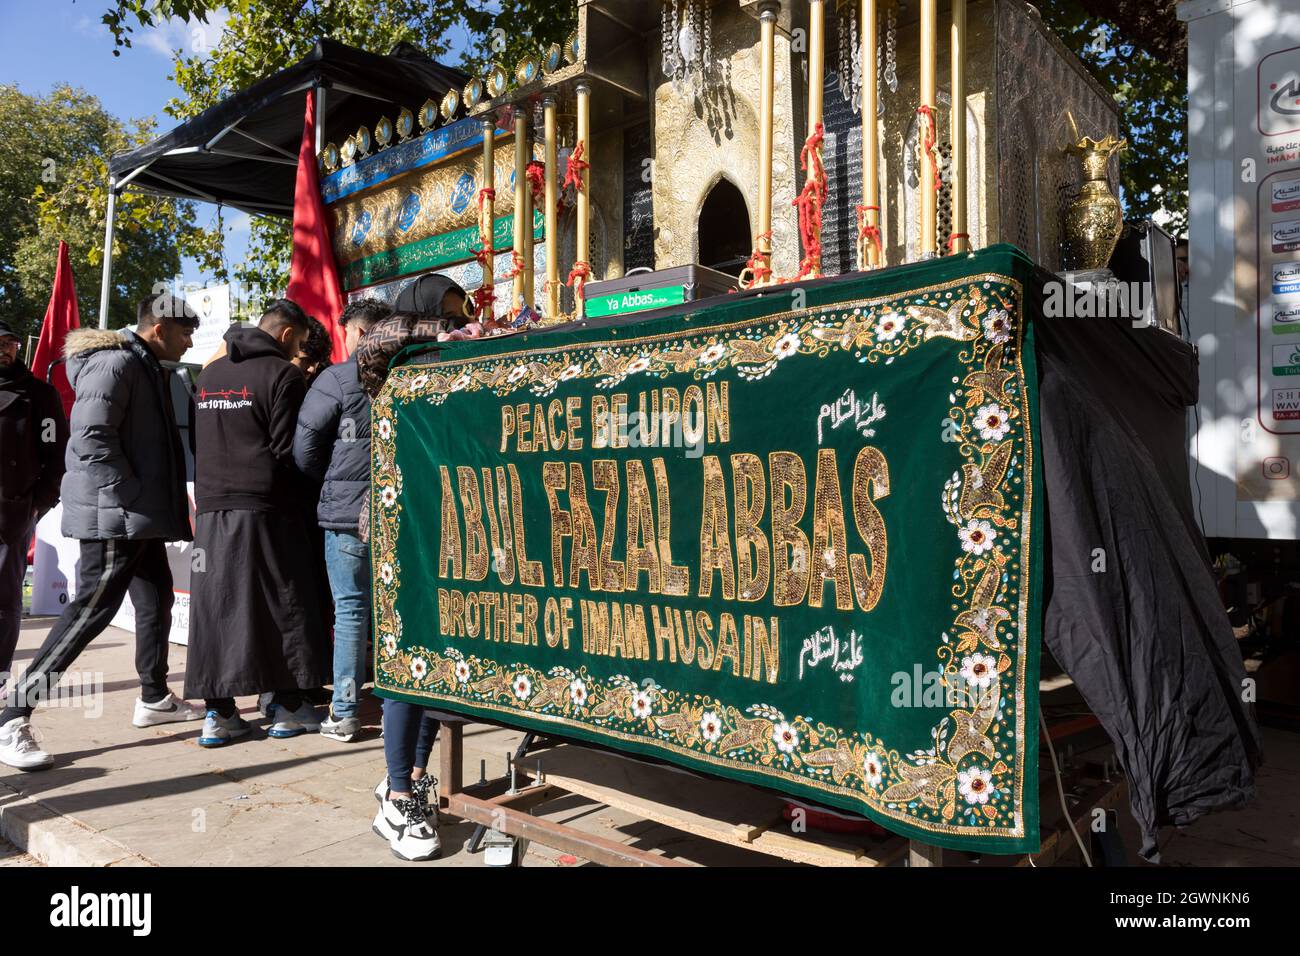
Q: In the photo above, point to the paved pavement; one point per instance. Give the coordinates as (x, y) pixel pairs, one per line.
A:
(121, 796)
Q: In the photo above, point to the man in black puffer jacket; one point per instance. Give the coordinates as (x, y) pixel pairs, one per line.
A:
(124, 498)
(332, 444)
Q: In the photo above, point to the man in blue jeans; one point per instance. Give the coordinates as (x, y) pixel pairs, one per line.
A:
(332, 443)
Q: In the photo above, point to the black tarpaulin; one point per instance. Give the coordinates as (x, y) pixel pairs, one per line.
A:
(1132, 611)
(243, 151)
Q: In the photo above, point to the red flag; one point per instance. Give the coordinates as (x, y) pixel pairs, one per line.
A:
(61, 317)
(313, 276)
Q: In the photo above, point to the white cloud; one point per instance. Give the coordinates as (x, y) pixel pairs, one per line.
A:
(190, 37)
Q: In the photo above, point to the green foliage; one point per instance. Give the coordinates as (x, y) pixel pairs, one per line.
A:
(1137, 49)
(53, 185)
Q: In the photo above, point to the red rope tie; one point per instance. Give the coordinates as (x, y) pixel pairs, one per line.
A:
(536, 174)
(578, 276)
(952, 239)
(758, 265)
(867, 233)
(575, 167)
(483, 303)
(930, 141)
(810, 200)
(486, 194)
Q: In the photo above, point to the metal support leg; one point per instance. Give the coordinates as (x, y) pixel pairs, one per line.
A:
(476, 838)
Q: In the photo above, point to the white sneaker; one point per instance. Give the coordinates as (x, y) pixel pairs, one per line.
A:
(219, 731)
(409, 834)
(420, 789)
(169, 710)
(18, 747)
(292, 723)
(340, 728)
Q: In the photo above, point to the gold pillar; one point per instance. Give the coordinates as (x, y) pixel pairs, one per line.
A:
(871, 253)
(487, 213)
(958, 241)
(927, 128)
(816, 80)
(551, 213)
(522, 220)
(763, 237)
(583, 238)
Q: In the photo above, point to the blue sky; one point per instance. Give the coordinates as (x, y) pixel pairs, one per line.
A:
(47, 42)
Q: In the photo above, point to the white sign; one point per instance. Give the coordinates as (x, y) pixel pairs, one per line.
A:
(1244, 302)
(212, 303)
(54, 575)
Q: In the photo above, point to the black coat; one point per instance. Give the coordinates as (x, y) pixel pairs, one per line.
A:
(332, 444)
(126, 465)
(33, 436)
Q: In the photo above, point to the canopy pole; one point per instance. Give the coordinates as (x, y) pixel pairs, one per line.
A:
(487, 222)
(320, 119)
(522, 220)
(870, 248)
(959, 241)
(106, 279)
(763, 238)
(582, 241)
(927, 132)
(551, 212)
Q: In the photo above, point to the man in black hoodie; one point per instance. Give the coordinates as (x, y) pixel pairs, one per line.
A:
(254, 611)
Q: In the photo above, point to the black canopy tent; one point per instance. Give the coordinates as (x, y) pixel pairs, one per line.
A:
(243, 152)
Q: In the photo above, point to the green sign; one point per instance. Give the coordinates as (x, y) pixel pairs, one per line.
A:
(621, 303)
(798, 548)
(433, 252)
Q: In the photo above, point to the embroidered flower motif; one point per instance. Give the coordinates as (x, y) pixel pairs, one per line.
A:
(385, 428)
(388, 497)
(786, 737)
(713, 353)
(462, 381)
(979, 670)
(888, 327)
(710, 727)
(786, 345)
(570, 373)
(638, 364)
(462, 671)
(991, 420)
(419, 382)
(873, 768)
(523, 687)
(578, 693)
(641, 704)
(390, 645)
(516, 373)
(975, 785)
(976, 537)
(386, 573)
(997, 326)
(419, 667)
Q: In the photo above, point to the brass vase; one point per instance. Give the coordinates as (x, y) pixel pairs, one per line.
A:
(1094, 219)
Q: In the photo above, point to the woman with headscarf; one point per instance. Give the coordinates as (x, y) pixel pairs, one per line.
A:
(430, 309)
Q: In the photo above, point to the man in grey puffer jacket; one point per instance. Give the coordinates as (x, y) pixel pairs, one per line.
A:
(332, 442)
(124, 498)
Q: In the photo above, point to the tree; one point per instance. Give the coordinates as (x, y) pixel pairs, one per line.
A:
(1138, 50)
(263, 36)
(53, 175)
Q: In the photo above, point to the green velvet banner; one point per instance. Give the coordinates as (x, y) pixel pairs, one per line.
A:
(793, 540)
